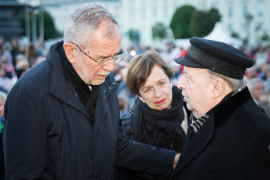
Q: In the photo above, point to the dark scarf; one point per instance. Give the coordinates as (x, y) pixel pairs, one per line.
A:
(161, 128)
(88, 98)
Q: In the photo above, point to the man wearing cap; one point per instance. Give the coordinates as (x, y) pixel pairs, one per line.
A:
(229, 135)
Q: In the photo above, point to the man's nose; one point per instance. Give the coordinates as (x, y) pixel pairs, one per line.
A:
(109, 66)
(181, 82)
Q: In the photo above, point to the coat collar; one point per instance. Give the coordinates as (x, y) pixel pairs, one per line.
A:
(206, 132)
(64, 91)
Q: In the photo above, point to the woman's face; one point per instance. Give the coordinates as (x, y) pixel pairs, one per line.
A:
(161, 97)
(2, 104)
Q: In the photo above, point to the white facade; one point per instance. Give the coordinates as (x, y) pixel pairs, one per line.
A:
(141, 15)
(61, 11)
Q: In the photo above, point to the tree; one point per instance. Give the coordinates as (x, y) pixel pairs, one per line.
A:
(235, 35)
(203, 22)
(265, 37)
(159, 31)
(50, 32)
(134, 35)
(180, 22)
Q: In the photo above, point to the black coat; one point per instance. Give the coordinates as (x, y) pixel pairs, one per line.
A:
(128, 120)
(233, 144)
(49, 133)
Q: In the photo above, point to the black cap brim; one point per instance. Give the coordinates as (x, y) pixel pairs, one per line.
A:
(186, 62)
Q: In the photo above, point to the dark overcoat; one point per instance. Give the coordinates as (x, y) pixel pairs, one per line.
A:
(49, 133)
(233, 144)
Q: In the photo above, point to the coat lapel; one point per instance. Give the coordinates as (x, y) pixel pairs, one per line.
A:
(196, 145)
(62, 89)
(105, 90)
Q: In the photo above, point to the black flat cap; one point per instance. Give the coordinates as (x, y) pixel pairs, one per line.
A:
(216, 56)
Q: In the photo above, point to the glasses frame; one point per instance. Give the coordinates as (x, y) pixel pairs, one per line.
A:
(152, 90)
(121, 51)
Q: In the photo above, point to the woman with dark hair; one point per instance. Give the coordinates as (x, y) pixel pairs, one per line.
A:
(158, 116)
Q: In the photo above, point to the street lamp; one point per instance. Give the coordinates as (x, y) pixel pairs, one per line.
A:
(248, 18)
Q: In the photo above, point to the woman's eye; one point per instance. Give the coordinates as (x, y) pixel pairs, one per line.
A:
(147, 90)
(162, 83)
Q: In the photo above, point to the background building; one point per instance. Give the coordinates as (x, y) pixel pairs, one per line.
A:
(141, 15)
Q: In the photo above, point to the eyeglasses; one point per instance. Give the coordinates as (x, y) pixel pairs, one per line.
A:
(101, 62)
(161, 86)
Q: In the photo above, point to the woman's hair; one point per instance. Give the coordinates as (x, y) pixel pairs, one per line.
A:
(83, 21)
(3, 96)
(140, 69)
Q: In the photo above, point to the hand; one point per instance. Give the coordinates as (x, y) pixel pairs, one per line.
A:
(176, 158)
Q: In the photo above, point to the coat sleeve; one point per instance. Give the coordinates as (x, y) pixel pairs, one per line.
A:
(254, 156)
(142, 157)
(24, 136)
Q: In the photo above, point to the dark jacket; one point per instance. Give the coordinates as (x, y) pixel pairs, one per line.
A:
(233, 144)
(128, 121)
(49, 133)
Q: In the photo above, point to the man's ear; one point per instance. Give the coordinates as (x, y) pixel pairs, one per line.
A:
(219, 88)
(69, 49)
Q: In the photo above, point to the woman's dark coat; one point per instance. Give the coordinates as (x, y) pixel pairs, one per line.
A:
(49, 133)
(233, 144)
(128, 120)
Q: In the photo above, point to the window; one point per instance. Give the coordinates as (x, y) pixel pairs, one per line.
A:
(260, 9)
(259, 27)
(165, 13)
(245, 27)
(230, 27)
(154, 14)
(245, 10)
(132, 14)
(143, 15)
(230, 11)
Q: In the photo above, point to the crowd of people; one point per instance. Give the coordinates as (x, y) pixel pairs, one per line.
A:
(177, 107)
(17, 58)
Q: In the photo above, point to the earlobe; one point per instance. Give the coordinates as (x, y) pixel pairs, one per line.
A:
(69, 52)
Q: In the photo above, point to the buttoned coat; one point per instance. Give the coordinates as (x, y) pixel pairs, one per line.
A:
(233, 144)
(49, 133)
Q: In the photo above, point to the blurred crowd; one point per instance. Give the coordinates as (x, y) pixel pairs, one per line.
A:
(258, 76)
(17, 58)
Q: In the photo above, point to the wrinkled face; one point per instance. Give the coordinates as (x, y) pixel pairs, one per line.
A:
(257, 90)
(196, 90)
(100, 47)
(2, 104)
(160, 98)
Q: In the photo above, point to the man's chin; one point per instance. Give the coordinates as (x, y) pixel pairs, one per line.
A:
(97, 82)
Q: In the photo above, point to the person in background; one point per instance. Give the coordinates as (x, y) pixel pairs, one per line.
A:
(260, 98)
(158, 116)
(14, 50)
(3, 97)
(31, 54)
(123, 91)
(251, 73)
(123, 105)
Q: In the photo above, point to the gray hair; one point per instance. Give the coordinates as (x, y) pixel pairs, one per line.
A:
(235, 84)
(84, 20)
(3, 96)
(253, 82)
